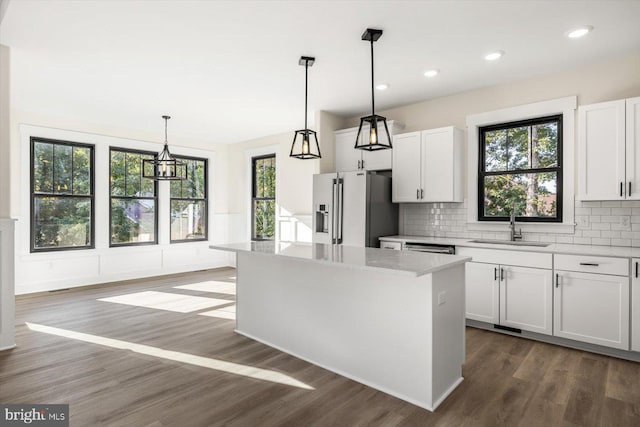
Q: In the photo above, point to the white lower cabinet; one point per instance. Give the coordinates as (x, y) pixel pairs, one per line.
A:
(592, 308)
(526, 299)
(635, 305)
(482, 292)
(517, 296)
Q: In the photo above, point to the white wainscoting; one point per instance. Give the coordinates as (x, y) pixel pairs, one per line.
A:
(7, 299)
(295, 228)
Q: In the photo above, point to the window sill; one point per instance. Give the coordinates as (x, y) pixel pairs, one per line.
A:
(527, 227)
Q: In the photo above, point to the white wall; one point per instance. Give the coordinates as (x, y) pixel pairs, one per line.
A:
(5, 156)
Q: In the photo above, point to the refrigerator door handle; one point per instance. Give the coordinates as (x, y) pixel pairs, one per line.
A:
(340, 215)
(333, 210)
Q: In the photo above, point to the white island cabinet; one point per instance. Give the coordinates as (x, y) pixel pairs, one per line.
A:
(392, 320)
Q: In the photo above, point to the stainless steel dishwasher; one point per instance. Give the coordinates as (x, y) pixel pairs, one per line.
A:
(430, 247)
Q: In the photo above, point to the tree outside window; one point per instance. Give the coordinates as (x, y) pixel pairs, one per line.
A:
(189, 202)
(263, 198)
(134, 218)
(61, 195)
(521, 168)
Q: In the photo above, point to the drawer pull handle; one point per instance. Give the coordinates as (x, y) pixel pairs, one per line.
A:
(590, 264)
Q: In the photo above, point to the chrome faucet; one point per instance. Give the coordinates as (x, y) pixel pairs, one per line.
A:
(515, 235)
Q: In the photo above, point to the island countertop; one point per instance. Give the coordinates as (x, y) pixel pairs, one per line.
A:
(404, 263)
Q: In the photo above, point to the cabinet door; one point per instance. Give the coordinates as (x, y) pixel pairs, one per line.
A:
(593, 308)
(441, 165)
(633, 148)
(601, 151)
(526, 299)
(635, 306)
(347, 157)
(482, 292)
(379, 159)
(406, 167)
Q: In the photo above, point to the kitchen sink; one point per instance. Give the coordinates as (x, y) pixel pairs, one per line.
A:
(508, 242)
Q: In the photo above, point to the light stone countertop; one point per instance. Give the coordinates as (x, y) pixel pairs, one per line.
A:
(384, 260)
(556, 248)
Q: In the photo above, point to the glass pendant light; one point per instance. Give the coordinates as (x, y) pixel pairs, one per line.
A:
(305, 142)
(164, 167)
(371, 140)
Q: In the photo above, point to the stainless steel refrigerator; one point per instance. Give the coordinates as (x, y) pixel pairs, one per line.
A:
(353, 208)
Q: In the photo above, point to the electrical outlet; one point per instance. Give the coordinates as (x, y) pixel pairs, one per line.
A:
(442, 297)
(625, 221)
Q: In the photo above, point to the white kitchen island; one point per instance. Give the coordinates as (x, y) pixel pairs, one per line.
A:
(392, 320)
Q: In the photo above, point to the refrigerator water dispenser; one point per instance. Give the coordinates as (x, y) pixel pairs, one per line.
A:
(322, 219)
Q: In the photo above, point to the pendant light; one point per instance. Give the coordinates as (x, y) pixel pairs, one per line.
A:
(371, 140)
(164, 167)
(305, 142)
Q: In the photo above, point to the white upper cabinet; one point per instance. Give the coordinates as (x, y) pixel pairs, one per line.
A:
(350, 159)
(406, 167)
(609, 150)
(427, 166)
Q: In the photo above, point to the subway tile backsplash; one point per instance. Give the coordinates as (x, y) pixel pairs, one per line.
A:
(597, 223)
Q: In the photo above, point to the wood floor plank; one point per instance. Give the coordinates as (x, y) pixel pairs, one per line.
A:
(508, 380)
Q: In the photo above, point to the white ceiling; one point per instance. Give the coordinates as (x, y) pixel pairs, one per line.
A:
(227, 71)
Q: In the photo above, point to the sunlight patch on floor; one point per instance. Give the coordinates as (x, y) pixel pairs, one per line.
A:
(167, 301)
(177, 356)
(210, 286)
(228, 312)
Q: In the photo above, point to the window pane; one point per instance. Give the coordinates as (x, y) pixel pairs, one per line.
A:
(264, 219)
(544, 139)
(265, 177)
(188, 220)
(518, 148)
(148, 184)
(198, 180)
(62, 165)
(117, 173)
(42, 167)
(132, 220)
(534, 195)
(495, 150)
(176, 188)
(62, 222)
(134, 174)
(81, 171)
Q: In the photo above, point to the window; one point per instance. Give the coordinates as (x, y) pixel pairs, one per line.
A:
(520, 167)
(263, 197)
(189, 202)
(133, 214)
(62, 214)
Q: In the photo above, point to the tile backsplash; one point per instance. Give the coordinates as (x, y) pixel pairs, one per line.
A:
(597, 223)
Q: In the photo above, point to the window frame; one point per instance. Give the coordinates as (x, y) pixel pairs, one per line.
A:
(205, 200)
(111, 197)
(558, 169)
(254, 198)
(32, 239)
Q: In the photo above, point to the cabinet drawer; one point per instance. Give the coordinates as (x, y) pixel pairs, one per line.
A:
(507, 257)
(390, 245)
(592, 264)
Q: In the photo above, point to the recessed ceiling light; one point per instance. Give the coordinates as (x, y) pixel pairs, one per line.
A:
(579, 32)
(431, 73)
(494, 55)
(382, 86)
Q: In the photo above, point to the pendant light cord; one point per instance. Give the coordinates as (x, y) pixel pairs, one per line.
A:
(373, 102)
(306, 91)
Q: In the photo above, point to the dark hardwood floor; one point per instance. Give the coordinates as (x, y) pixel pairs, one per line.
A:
(119, 363)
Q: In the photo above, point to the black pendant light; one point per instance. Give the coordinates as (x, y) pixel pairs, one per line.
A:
(305, 142)
(369, 124)
(164, 167)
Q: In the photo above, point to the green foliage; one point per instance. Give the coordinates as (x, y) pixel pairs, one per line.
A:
(61, 170)
(188, 217)
(264, 205)
(515, 151)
